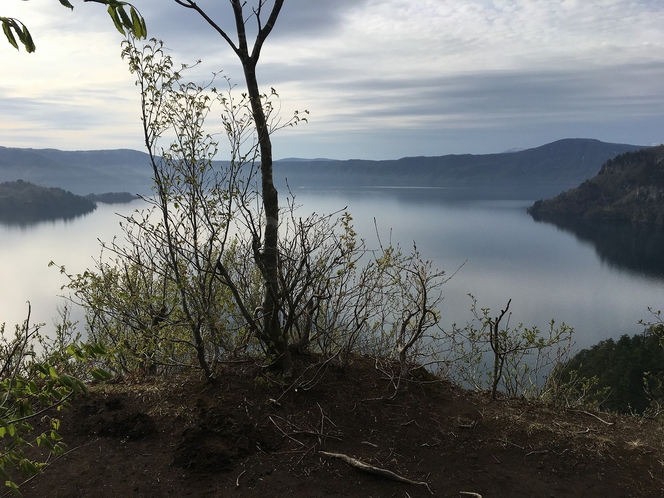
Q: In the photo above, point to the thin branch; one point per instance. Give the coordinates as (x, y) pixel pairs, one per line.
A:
(49, 464)
(189, 4)
(55, 405)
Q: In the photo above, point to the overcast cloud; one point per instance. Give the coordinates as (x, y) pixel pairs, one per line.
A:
(381, 78)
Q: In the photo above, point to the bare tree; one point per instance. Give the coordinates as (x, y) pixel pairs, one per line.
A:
(265, 250)
(216, 268)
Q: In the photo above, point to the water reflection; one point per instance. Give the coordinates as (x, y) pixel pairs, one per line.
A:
(548, 272)
(420, 195)
(635, 248)
(28, 221)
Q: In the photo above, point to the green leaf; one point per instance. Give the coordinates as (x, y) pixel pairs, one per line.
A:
(116, 19)
(52, 372)
(138, 23)
(81, 386)
(97, 349)
(126, 21)
(100, 374)
(25, 37)
(43, 369)
(12, 485)
(7, 24)
(67, 381)
(67, 4)
(28, 467)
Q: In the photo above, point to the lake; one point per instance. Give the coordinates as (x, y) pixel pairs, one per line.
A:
(567, 273)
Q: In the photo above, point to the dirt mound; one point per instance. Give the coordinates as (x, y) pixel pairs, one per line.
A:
(248, 436)
(110, 418)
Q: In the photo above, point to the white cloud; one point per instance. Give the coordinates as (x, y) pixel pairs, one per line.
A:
(379, 76)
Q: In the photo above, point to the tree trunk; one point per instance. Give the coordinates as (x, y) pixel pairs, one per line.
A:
(272, 331)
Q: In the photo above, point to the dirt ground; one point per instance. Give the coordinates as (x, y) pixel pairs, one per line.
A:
(249, 436)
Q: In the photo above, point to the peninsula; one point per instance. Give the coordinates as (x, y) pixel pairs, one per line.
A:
(24, 202)
(629, 187)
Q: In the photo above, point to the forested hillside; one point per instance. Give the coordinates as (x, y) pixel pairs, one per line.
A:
(24, 202)
(629, 187)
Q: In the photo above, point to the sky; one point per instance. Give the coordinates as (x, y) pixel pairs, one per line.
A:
(381, 79)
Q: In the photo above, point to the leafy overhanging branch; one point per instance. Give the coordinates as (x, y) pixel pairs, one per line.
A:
(35, 387)
(133, 22)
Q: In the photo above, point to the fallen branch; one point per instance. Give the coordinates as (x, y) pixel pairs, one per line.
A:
(469, 493)
(595, 416)
(360, 465)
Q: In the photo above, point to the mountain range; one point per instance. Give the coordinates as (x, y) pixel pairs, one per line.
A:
(538, 172)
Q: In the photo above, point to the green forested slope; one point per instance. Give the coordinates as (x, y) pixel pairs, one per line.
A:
(629, 187)
(24, 202)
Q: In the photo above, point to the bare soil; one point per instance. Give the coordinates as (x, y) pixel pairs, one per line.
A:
(250, 436)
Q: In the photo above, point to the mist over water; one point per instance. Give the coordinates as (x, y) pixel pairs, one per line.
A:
(500, 253)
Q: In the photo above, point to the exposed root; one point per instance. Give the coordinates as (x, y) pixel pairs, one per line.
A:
(360, 465)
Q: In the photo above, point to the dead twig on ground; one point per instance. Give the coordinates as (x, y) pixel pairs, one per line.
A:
(360, 465)
(295, 430)
(537, 452)
(237, 481)
(284, 432)
(594, 416)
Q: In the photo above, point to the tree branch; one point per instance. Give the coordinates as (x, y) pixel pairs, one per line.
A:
(266, 30)
(189, 4)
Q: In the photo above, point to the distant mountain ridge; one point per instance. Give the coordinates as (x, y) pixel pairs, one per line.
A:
(82, 172)
(538, 172)
(562, 164)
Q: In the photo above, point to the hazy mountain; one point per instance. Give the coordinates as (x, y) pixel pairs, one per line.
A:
(82, 172)
(533, 173)
(546, 170)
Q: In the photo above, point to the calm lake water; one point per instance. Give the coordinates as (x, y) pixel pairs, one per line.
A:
(598, 281)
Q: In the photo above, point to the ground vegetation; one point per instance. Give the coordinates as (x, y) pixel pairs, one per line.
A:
(624, 375)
